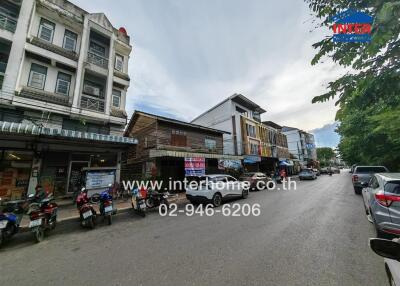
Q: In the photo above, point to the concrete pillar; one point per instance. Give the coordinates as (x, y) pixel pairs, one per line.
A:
(35, 173)
(82, 57)
(17, 50)
(118, 171)
(110, 75)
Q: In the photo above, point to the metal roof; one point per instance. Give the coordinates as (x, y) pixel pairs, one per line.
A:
(33, 129)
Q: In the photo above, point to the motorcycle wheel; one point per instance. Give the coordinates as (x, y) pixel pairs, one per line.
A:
(39, 234)
(149, 203)
(54, 224)
(1, 238)
(109, 220)
(91, 223)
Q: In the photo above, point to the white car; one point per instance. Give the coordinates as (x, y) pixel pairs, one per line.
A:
(215, 189)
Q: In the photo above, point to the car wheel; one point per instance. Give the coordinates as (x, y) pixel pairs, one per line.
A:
(245, 194)
(357, 190)
(217, 200)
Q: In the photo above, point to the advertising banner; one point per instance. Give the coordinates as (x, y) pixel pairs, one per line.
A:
(195, 166)
(97, 180)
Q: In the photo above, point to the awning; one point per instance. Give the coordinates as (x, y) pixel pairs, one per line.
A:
(36, 130)
(154, 153)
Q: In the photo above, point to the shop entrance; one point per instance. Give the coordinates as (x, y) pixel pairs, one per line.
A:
(75, 175)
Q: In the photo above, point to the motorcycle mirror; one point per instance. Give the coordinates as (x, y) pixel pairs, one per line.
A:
(385, 248)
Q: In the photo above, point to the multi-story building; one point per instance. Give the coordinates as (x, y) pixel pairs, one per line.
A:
(301, 145)
(169, 148)
(262, 146)
(63, 79)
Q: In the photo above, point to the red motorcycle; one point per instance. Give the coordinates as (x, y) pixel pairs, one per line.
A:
(42, 212)
(86, 211)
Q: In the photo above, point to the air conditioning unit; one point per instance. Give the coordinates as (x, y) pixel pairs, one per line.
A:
(91, 90)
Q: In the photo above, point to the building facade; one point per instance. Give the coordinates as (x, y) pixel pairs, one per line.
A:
(165, 144)
(301, 145)
(262, 146)
(64, 79)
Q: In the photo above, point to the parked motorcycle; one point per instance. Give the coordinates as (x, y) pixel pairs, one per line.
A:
(42, 212)
(10, 219)
(87, 213)
(138, 202)
(155, 199)
(106, 204)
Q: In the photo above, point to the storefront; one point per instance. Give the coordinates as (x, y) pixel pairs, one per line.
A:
(53, 158)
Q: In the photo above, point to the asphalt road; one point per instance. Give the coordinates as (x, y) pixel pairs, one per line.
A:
(315, 235)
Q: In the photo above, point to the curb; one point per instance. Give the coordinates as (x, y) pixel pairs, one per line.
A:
(67, 220)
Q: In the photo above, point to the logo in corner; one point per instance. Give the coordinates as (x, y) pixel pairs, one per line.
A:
(352, 26)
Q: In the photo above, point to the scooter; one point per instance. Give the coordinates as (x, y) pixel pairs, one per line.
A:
(138, 202)
(106, 205)
(43, 215)
(10, 219)
(87, 213)
(155, 199)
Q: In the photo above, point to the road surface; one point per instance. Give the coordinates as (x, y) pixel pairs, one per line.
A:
(315, 235)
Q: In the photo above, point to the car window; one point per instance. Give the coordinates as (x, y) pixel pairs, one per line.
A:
(374, 183)
(393, 187)
(230, 179)
(367, 170)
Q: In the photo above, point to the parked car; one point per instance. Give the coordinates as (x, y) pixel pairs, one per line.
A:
(216, 189)
(254, 179)
(362, 174)
(381, 198)
(390, 250)
(317, 172)
(307, 174)
(324, 170)
(352, 168)
(335, 170)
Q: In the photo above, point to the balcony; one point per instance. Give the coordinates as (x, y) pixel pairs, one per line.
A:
(97, 60)
(92, 103)
(7, 23)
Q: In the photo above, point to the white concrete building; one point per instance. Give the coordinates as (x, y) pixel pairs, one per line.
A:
(226, 116)
(301, 144)
(63, 71)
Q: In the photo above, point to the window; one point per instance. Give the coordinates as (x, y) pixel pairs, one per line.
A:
(63, 83)
(97, 49)
(178, 138)
(116, 98)
(46, 30)
(210, 144)
(251, 130)
(254, 149)
(70, 40)
(119, 63)
(37, 76)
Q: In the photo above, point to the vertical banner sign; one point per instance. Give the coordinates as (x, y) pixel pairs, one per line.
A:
(195, 166)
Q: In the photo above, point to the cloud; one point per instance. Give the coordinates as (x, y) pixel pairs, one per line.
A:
(326, 135)
(190, 55)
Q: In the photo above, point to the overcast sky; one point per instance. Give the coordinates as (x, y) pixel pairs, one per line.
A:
(188, 55)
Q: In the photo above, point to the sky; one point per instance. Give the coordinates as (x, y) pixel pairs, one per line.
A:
(189, 55)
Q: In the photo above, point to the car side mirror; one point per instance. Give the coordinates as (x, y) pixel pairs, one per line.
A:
(385, 248)
(364, 184)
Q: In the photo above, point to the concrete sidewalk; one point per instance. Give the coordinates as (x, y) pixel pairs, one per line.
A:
(67, 211)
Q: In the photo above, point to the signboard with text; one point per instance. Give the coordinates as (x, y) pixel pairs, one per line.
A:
(195, 166)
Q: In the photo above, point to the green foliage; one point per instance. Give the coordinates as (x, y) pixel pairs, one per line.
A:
(368, 96)
(324, 155)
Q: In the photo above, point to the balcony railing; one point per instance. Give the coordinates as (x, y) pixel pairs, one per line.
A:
(92, 103)
(97, 60)
(7, 23)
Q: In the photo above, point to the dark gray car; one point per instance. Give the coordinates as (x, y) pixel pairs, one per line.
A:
(382, 202)
(362, 174)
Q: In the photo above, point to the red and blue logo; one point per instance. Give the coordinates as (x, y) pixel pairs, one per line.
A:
(352, 26)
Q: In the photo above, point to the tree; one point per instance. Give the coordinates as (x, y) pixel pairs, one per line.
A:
(324, 155)
(368, 96)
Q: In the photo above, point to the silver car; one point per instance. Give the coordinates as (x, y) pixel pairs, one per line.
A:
(382, 203)
(362, 174)
(307, 174)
